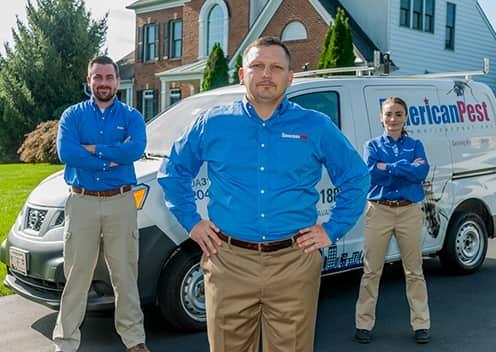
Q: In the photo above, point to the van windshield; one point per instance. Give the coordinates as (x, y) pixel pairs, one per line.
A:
(162, 131)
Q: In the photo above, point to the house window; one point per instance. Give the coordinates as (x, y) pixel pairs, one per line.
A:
(150, 42)
(429, 16)
(405, 13)
(176, 35)
(417, 14)
(149, 104)
(294, 31)
(450, 26)
(215, 28)
(175, 95)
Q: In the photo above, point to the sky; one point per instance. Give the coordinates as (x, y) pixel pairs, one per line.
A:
(121, 22)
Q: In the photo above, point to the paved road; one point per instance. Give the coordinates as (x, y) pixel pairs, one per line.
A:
(463, 309)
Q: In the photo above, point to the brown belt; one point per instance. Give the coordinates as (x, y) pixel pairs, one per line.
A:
(109, 193)
(393, 203)
(262, 246)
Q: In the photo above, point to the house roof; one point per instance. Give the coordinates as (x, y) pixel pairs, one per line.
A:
(364, 47)
(184, 72)
(361, 41)
(148, 3)
(126, 67)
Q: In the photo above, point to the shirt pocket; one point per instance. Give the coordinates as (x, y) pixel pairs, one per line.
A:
(293, 156)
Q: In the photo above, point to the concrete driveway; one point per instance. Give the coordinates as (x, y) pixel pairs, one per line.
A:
(463, 310)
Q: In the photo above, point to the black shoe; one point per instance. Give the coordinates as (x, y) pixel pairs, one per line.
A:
(363, 335)
(422, 336)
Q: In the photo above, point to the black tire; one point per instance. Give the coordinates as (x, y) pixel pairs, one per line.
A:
(181, 292)
(465, 245)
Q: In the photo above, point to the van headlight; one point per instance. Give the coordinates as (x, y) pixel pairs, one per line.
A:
(140, 192)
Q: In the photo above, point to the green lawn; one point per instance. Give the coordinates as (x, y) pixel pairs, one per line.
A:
(16, 182)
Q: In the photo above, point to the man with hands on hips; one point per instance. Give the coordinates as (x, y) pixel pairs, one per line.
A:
(261, 245)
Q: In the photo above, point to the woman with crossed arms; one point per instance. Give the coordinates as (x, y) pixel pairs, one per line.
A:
(398, 166)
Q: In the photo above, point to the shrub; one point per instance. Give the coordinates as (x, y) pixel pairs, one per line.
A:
(40, 144)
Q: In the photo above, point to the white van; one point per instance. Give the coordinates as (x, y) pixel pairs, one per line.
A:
(455, 120)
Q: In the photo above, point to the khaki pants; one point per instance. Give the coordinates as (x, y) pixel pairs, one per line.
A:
(250, 293)
(381, 223)
(88, 219)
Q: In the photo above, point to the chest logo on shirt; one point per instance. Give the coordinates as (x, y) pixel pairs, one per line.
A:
(120, 128)
(302, 137)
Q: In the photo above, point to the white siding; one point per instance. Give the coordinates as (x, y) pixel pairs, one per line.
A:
(414, 51)
(372, 19)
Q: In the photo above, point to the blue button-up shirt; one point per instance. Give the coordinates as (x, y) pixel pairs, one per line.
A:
(119, 135)
(402, 179)
(263, 173)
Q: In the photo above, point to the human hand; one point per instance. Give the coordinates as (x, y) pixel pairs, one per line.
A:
(113, 164)
(313, 238)
(205, 234)
(419, 161)
(90, 148)
(381, 166)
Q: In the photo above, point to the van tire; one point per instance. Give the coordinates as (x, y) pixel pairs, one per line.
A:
(181, 292)
(465, 245)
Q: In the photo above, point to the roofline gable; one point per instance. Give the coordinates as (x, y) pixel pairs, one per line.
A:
(485, 19)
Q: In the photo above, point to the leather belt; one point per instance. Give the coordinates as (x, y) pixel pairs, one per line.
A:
(259, 246)
(108, 193)
(393, 203)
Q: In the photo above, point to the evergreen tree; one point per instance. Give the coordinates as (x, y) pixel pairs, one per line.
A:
(45, 70)
(237, 64)
(216, 71)
(339, 49)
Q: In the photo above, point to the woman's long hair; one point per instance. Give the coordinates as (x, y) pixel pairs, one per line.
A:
(397, 100)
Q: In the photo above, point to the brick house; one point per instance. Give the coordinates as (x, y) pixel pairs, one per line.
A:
(174, 38)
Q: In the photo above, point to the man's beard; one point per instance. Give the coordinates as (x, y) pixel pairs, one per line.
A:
(104, 98)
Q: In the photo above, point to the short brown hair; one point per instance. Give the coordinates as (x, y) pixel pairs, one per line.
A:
(103, 60)
(268, 41)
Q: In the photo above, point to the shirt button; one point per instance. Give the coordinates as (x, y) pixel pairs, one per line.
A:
(262, 168)
(262, 145)
(98, 178)
(262, 215)
(263, 237)
(101, 132)
(263, 124)
(262, 191)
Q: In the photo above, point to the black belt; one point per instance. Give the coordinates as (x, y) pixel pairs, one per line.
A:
(259, 246)
(393, 203)
(108, 193)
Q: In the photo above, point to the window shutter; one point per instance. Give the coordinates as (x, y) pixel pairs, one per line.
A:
(139, 101)
(157, 41)
(155, 102)
(139, 46)
(165, 39)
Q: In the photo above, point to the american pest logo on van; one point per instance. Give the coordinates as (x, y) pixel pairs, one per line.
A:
(302, 137)
(461, 112)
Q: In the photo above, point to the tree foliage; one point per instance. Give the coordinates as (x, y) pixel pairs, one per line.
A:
(337, 49)
(237, 65)
(216, 71)
(45, 70)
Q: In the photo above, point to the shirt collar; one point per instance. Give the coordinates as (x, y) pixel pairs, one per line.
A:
(96, 107)
(283, 106)
(391, 139)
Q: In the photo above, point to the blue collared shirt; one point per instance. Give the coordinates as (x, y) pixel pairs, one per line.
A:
(402, 179)
(263, 173)
(119, 135)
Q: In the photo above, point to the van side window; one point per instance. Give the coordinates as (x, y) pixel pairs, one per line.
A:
(325, 102)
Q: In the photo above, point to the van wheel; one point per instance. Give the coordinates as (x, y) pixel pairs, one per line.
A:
(465, 245)
(181, 294)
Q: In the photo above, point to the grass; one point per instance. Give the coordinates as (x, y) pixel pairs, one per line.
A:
(16, 182)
